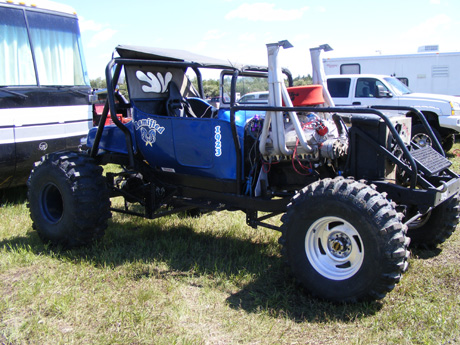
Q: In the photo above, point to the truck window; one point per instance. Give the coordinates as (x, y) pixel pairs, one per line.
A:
(16, 64)
(263, 96)
(397, 86)
(367, 87)
(339, 87)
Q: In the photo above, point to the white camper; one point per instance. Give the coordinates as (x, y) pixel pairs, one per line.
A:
(44, 86)
(428, 71)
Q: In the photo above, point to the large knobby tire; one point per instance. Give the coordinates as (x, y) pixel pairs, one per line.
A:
(68, 199)
(344, 241)
(436, 226)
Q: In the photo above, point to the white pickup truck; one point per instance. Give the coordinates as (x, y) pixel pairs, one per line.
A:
(441, 111)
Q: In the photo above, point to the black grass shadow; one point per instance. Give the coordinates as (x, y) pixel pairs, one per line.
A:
(277, 292)
(13, 196)
(424, 253)
(187, 252)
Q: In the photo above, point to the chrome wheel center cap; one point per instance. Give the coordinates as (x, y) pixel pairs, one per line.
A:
(339, 245)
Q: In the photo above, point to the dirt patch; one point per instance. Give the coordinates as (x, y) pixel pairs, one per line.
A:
(9, 280)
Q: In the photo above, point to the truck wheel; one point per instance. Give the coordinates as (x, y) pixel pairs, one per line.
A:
(448, 142)
(421, 137)
(436, 226)
(344, 241)
(68, 199)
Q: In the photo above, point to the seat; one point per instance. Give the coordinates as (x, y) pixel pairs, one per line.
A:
(202, 108)
(177, 105)
(365, 92)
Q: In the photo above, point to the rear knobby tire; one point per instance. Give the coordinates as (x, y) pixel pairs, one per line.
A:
(436, 226)
(68, 199)
(344, 241)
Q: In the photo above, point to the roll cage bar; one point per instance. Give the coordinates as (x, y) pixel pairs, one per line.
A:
(112, 74)
(114, 68)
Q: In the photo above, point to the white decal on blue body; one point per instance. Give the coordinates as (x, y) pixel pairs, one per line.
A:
(218, 138)
(149, 129)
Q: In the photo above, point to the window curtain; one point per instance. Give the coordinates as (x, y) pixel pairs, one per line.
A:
(15, 56)
(56, 50)
(57, 57)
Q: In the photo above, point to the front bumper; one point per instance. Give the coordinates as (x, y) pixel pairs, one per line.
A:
(424, 199)
(451, 122)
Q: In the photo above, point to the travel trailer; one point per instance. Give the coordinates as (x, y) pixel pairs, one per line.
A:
(45, 92)
(428, 71)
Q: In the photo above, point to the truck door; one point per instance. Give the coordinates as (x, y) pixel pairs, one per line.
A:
(366, 93)
(339, 89)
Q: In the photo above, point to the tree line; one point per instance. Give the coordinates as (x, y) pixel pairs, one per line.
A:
(210, 86)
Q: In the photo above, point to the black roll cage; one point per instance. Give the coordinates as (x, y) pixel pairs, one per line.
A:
(112, 74)
(399, 193)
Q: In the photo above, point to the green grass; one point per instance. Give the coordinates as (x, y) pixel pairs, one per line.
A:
(208, 280)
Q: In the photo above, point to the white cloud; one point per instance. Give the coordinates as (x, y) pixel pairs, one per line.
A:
(263, 11)
(100, 37)
(102, 32)
(431, 31)
(302, 38)
(435, 2)
(432, 24)
(321, 9)
(213, 35)
(89, 25)
(247, 37)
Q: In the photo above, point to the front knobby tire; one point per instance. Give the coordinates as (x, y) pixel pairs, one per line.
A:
(68, 199)
(344, 241)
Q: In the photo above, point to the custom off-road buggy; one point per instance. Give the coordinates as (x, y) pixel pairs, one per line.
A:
(350, 195)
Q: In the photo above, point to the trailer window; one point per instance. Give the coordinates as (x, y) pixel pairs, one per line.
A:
(16, 64)
(403, 80)
(339, 87)
(57, 49)
(350, 68)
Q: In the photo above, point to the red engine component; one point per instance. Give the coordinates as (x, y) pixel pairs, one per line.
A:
(306, 95)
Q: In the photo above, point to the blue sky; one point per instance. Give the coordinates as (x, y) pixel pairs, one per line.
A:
(239, 29)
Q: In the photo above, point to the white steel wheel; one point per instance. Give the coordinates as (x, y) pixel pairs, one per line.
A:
(334, 248)
(344, 241)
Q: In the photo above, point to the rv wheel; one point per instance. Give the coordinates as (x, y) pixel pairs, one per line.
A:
(68, 199)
